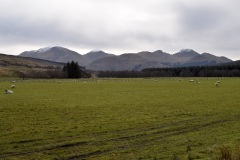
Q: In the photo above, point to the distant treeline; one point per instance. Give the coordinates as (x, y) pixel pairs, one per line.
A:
(73, 70)
(196, 71)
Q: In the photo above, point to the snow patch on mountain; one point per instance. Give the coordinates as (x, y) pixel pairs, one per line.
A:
(186, 50)
(44, 49)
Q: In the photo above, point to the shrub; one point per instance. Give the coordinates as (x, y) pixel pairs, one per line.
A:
(227, 153)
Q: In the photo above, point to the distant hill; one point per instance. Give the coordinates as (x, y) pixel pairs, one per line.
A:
(56, 54)
(99, 60)
(61, 54)
(157, 59)
(123, 62)
(15, 65)
(233, 63)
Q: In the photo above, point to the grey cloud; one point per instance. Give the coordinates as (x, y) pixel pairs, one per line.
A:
(122, 25)
(198, 19)
(209, 26)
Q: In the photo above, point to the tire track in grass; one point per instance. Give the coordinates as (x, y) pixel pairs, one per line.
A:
(138, 139)
(72, 138)
(44, 149)
(172, 132)
(87, 155)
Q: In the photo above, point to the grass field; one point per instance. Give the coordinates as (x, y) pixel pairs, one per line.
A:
(111, 119)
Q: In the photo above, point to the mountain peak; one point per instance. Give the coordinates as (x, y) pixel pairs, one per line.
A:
(96, 50)
(42, 49)
(54, 53)
(158, 51)
(207, 54)
(186, 52)
(45, 49)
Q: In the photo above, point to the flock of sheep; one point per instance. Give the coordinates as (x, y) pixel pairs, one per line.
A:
(8, 91)
(216, 83)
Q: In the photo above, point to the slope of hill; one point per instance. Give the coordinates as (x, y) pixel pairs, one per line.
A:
(233, 63)
(14, 65)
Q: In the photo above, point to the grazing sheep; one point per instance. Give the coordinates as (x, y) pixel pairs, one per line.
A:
(191, 80)
(217, 83)
(8, 92)
(13, 86)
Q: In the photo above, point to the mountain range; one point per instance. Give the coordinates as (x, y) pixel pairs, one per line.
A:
(99, 60)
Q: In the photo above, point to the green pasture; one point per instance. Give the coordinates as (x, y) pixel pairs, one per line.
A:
(118, 119)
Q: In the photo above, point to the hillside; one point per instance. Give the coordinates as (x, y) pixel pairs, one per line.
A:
(15, 65)
(56, 54)
(233, 63)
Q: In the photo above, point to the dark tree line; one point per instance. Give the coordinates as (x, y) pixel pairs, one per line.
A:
(73, 70)
(196, 71)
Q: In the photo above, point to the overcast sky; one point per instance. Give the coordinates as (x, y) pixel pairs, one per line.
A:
(121, 26)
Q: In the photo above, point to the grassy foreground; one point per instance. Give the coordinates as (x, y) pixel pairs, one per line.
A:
(118, 118)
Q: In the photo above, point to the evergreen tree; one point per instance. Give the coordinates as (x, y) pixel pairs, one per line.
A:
(72, 70)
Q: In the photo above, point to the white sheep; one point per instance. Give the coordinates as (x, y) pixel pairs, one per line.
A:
(8, 92)
(13, 86)
(217, 83)
(191, 80)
